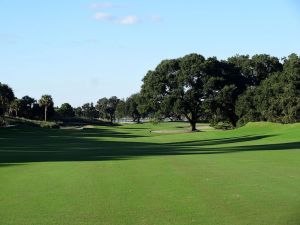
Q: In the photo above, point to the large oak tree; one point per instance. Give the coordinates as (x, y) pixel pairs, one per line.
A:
(183, 86)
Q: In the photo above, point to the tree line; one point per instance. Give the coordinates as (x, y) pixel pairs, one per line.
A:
(227, 93)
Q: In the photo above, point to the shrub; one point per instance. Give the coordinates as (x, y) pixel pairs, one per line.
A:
(223, 125)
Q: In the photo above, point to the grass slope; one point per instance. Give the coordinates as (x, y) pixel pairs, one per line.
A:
(129, 175)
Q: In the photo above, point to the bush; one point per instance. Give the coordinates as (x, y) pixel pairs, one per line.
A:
(2, 123)
(223, 126)
(44, 124)
(155, 121)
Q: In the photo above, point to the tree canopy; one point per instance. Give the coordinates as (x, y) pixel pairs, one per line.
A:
(130, 108)
(257, 68)
(6, 97)
(277, 99)
(66, 110)
(192, 85)
(107, 108)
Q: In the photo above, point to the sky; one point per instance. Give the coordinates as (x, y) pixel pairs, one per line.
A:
(79, 51)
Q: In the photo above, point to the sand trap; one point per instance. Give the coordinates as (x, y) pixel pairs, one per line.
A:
(71, 128)
(170, 131)
(89, 126)
(77, 127)
(205, 128)
(186, 130)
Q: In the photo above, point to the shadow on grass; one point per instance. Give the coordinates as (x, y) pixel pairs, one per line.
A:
(23, 145)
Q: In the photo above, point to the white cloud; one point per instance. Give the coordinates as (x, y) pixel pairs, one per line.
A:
(117, 19)
(106, 17)
(103, 16)
(128, 20)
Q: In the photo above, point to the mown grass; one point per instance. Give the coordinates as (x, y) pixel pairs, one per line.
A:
(131, 175)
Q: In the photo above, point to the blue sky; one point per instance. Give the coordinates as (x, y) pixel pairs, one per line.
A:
(79, 51)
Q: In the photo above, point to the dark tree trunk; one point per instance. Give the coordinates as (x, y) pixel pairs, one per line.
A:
(233, 122)
(193, 125)
(192, 120)
(111, 119)
(233, 119)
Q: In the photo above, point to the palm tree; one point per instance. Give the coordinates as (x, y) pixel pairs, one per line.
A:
(46, 101)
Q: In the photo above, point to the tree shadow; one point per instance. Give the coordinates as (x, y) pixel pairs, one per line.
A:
(221, 141)
(24, 145)
(10, 164)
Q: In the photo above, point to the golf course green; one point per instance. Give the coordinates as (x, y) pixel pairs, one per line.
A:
(150, 174)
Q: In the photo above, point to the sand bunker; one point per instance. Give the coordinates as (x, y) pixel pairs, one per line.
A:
(170, 131)
(76, 127)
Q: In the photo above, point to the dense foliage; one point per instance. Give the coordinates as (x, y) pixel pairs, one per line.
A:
(131, 108)
(66, 110)
(107, 108)
(235, 91)
(6, 97)
(277, 99)
(226, 92)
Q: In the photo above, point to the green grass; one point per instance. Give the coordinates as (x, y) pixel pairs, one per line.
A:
(127, 175)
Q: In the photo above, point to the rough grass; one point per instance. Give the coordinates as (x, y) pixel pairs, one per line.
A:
(129, 175)
(13, 121)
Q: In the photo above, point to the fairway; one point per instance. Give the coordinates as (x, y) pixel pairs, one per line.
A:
(131, 175)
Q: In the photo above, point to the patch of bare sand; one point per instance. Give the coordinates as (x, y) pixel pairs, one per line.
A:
(170, 131)
(76, 127)
(200, 128)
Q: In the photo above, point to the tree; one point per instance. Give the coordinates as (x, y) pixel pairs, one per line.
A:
(224, 85)
(107, 108)
(15, 106)
(177, 86)
(276, 99)
(101, 108)
(183, 86)
(132, 107)
(144, 107)
(6, 97)
(257, 68)
(264, 65)
(26, 107)
(246, 106)
(112, 107)
(78, 112)
(46, 101)
(222, 106)
(279, 95)
(66, 110)
(121, 110)
(89, 111)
